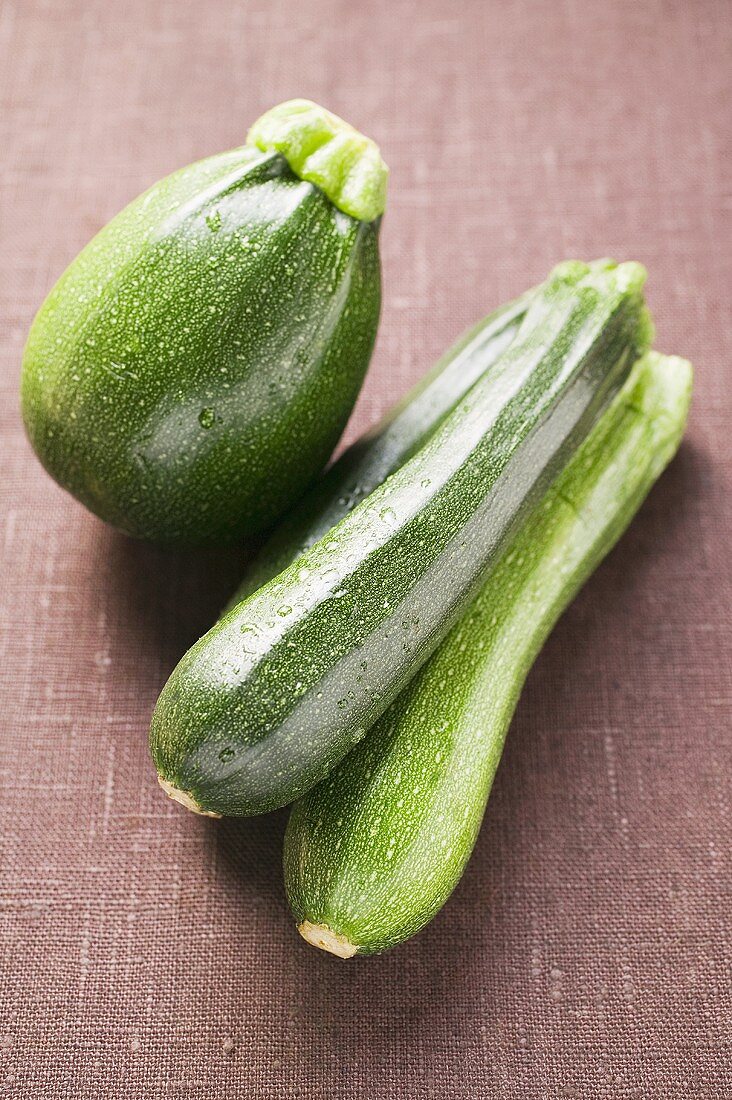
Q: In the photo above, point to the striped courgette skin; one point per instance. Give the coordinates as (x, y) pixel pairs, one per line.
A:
(192, 370)
(368, 462)
(273, 696)
(373, 852)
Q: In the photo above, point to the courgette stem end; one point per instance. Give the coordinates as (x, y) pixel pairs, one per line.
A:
(324, 150)
(184, 798)
(319, 935)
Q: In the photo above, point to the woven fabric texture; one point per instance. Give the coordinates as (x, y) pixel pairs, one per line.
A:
(146, 953)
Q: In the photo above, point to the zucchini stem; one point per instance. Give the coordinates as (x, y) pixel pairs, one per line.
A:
(326, 151)
(319, 935)
(185, 798)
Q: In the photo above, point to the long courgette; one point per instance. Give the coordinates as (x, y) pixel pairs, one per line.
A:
(276, 693)
(192, 370)
(373, 852)
(368, 462)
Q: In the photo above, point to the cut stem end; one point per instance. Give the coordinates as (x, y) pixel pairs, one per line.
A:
(184, 798)
(319, 935)
(324, 150)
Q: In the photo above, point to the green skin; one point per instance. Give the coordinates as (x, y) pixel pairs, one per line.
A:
(274, 695)
(388, 445)
(374, 851)
(192, 370)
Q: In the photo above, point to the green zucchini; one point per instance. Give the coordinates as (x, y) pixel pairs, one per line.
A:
(374, 851)
(275, 694)
(367, 463)
(192, 370)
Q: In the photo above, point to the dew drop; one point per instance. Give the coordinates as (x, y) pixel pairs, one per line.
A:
(207, 418)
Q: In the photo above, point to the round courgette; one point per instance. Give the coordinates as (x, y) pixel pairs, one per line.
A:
(192, 370)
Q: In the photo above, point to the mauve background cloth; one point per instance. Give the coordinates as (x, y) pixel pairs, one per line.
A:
(147, 953)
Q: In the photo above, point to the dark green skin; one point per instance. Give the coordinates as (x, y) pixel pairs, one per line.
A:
(273, 696)
(368, 462)
(192, 370)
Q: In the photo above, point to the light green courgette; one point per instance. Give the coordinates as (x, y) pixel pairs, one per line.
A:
(373, 852)
(268, 702)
